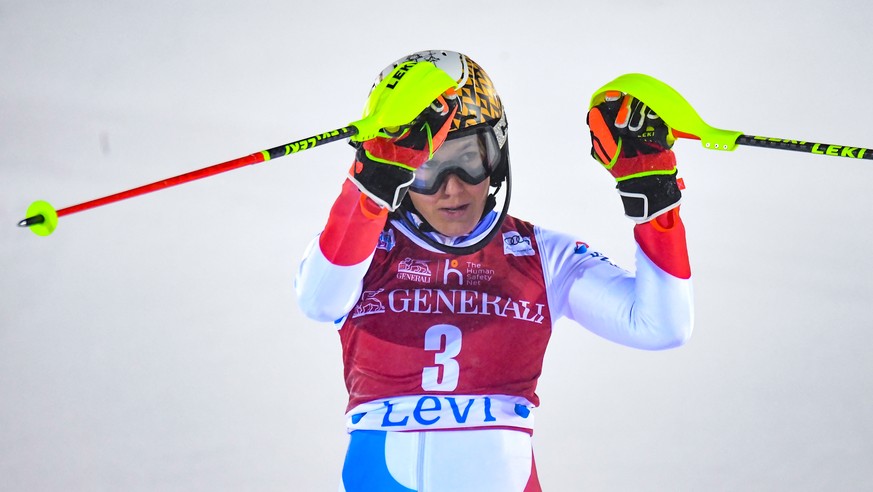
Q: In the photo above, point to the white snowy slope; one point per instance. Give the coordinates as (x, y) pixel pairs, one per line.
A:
(156, 344)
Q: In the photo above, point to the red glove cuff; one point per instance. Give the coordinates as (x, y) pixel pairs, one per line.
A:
(387, 150)
(353, 227)
(662, 239)
(643, 164)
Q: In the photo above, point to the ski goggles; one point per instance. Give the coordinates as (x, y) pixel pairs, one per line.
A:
(470, 154)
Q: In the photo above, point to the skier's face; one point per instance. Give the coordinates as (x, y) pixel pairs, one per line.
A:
(456, 207)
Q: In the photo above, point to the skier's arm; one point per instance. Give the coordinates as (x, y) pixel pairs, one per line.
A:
(652, 309)
(330, 276)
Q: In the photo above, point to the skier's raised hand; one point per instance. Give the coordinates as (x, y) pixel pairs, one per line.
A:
(633, 144)
(384, 166)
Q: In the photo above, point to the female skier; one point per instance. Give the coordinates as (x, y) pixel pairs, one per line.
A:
(445, 303)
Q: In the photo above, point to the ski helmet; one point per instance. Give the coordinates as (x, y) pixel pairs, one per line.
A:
(480, 112)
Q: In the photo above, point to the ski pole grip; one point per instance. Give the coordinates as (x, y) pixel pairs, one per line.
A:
(672, 108)
(400, 97)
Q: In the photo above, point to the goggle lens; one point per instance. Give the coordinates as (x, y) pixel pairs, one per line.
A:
(470, 155)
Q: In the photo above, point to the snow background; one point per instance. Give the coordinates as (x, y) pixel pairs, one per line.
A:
(156, 344)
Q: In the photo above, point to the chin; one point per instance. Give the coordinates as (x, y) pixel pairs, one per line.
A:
(455, 230)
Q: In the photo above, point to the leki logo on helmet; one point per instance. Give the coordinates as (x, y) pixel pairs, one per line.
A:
(399, 73)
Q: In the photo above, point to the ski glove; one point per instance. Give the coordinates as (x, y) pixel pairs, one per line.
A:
(633, 144)
(385, 166)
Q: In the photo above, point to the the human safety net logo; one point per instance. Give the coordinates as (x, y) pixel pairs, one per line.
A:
(448, 271)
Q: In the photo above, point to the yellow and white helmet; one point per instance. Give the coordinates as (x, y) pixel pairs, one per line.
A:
(480, 112)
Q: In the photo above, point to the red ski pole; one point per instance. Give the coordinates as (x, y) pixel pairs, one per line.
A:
(42, 218)
(395, 102)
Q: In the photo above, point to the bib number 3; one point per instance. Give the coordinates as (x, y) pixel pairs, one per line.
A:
(445, 341)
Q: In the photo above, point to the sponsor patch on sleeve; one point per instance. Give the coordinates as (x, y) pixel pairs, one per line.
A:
(517, 245)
